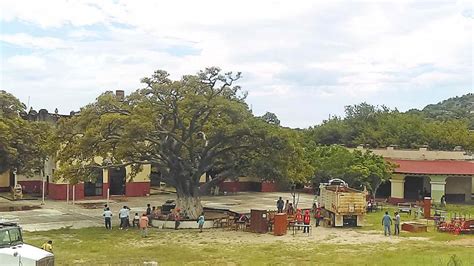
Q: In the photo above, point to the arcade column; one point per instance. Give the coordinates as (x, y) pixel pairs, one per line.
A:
(397, 187)
(438, 187)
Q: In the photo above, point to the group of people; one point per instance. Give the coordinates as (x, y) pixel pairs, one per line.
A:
(285, 207)
(387, 221)
(300, 217)
(144, 220)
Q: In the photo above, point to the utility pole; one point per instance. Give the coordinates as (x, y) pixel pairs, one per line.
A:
(42, 190)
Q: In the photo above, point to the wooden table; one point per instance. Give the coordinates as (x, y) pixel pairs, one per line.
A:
(296, 225)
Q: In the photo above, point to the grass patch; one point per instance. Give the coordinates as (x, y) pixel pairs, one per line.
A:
(373, 222)
(96, 246)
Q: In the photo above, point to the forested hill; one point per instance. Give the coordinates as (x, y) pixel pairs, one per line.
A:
(452, 108)
(442, 126)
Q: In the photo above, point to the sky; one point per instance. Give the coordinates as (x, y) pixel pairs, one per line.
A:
(302, 60)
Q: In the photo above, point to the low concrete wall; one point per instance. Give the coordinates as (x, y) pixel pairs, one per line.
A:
(183, 225)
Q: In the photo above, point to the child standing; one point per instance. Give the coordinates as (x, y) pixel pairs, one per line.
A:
(201, 222)
(136, 219)
(144, 225)
(177, 219)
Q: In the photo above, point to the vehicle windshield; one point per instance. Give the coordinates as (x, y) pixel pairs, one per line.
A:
(10, 237)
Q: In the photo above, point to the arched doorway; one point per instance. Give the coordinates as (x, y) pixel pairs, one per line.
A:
(416, 187)
(117, 180)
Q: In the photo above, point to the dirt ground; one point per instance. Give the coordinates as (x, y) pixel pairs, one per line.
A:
(320, 235)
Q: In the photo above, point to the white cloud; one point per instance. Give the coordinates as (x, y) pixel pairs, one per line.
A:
(52, 13)
(28, 41)
(26, 62)
(310, 53)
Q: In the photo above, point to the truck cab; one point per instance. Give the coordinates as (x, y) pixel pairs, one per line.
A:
(13, 251)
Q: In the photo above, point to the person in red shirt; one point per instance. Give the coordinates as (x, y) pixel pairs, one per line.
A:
(143, 223)
(306, 221)
(317, 216)
(299, 217)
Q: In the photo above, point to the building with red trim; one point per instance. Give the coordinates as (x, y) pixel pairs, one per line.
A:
(116, 181)
(423, 172)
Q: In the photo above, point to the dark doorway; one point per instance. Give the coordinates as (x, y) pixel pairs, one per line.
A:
(47, 185)
(155, 176)
(12, 179)
(117, 181)
(413, 187)
(384, 190)
(94, 188)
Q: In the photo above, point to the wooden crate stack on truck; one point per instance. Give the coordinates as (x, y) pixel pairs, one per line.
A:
(342, 205)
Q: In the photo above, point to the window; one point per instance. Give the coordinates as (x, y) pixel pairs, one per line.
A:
(15, 236)
(10, 237)
(4, 238)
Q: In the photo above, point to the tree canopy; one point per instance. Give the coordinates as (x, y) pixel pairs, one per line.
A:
(186, 128)
(380, 127)
(23, 143)
(356, 167)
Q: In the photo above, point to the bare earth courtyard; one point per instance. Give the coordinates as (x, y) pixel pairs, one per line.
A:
(80, 239)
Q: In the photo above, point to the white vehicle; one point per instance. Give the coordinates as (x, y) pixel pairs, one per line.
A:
(14, 252)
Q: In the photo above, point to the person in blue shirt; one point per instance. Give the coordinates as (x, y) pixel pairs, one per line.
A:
(386, 222)
(201, 222)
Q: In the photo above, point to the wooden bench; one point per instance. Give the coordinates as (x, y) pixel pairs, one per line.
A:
(404, 207)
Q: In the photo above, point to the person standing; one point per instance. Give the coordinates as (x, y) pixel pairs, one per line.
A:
(177, 219)
(386, 222)
(201, 222)
(136, 221)
(123, 216)
(128, 217)
(317, 216)
(396, 221)
(107, 218)
(306, 221)
(148, 213)
(280, 205)
(290, 210)
(144, 225)
(443, 201)
(148, 209)
(287, 205)
(299, 217)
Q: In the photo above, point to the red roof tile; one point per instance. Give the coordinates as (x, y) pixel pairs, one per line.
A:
(438, 167)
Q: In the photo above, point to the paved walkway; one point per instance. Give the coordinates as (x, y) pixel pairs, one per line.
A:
(59, 214)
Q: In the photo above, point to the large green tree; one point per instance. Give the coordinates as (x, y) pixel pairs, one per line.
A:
(357, 168)
(186, 128)
(23, 143)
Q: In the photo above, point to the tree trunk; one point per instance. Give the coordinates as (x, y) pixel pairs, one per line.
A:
(190, 206)
(188, 200)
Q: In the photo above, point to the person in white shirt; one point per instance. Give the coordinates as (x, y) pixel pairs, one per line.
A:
(396, 222)
(123, 215)
(108, 218)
